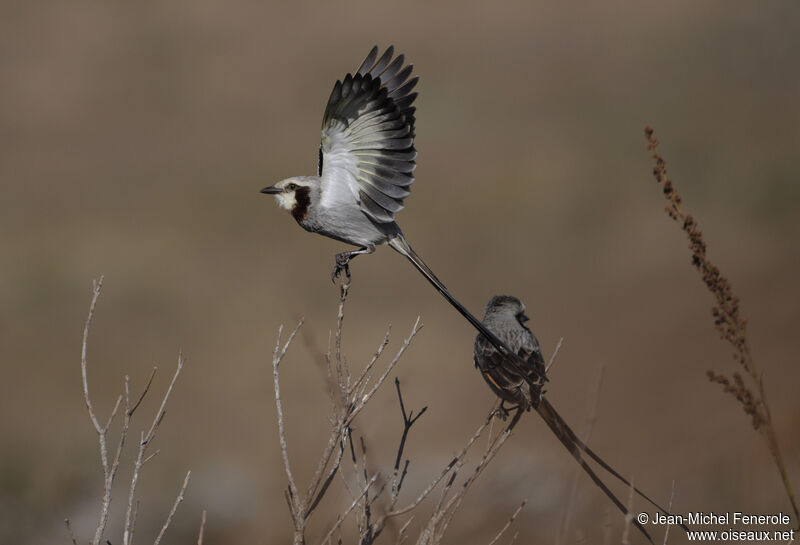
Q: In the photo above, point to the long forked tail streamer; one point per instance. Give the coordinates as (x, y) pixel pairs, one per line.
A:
(557, 424)
(401, 246)
(576, 447)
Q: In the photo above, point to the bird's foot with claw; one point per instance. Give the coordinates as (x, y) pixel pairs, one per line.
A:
(502, 412)
(539, 398)
(342, 266)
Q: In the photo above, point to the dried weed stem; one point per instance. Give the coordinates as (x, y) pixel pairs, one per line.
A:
(728, 321)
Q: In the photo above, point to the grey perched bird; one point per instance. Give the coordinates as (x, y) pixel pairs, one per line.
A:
(365, 170)
(505, 317)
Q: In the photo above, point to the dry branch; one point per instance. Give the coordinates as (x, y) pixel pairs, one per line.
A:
(728, 321)
(591, 418)
(371, 506)
(110, 466)
(508, 524)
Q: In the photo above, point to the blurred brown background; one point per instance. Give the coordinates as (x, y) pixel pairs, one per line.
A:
(134, 138)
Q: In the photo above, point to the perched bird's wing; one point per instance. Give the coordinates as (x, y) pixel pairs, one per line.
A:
(503, 376)
(367, 152)
(519, 340)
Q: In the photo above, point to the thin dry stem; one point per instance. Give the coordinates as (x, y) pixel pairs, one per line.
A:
(363, 379)
(347, 511)
(453, 463)
(110, 466)
(277, 356)
(508, 524)
(406, 343)
(553, 357)
(349, 396)
(446, 508)
(109, 471)
(455, 502)
(96, 289)
(144, 443)
(591, 419)
(202, 528)
(728, 321)
(172, 511)
(71, 533)
(669, 508)
(402, 534)
(628, 516)
(607, 526)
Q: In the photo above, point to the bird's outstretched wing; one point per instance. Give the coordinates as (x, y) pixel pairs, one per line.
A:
(367, 151)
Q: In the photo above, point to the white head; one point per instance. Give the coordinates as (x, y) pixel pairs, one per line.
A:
(295, 194)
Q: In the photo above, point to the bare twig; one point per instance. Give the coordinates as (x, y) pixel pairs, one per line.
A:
(669, 508)
(293, 497)
(347, 511)
(607, 526)
(363, 378)
(340, 368)
(488, 456)
(144, 390)
(452, 464)
(445, 509)
(371, 529)
(328, 480)
(366, 397)
(401, 534)
(408, 421)
(150, 457)
(508, 524)
(71, 533)
(144, 442)
(202, 528)
(553, 357)
(96, 288)
(111, 466)
(349, 396)
(109, 471)
(178, 500)
(628, 516)
(591, 418)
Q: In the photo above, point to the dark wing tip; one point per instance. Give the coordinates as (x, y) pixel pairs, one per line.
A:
(375, 105)
(368, 61)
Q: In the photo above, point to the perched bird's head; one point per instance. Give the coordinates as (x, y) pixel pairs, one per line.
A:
(505, 308)
(295, 194)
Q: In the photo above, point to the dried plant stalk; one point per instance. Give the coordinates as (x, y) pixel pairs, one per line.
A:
(728, 321)
(374, 498)
(110, 466)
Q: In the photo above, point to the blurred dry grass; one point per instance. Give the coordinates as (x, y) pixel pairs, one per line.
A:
(133, 142)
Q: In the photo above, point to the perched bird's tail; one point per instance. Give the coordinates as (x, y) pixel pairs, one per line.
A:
(399, 243)
(576, 447)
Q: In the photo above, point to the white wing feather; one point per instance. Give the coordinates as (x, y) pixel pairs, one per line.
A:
(367, 151)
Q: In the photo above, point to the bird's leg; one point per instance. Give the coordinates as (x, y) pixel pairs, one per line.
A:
(516, 418)
(504, 411)
(342, 265)
(343, 262)
(538, 398)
